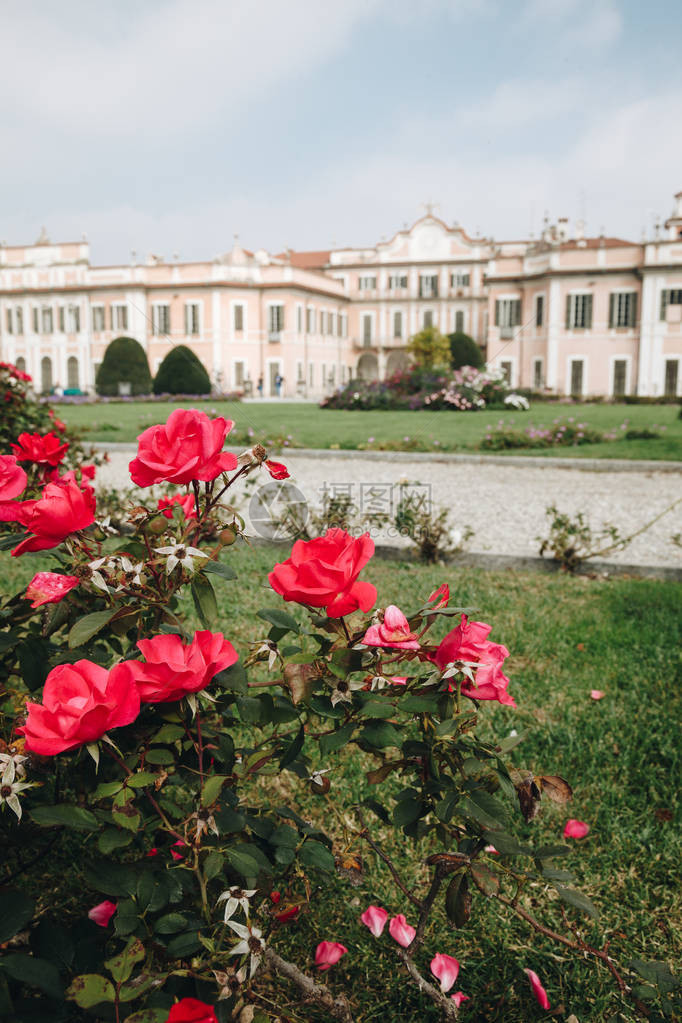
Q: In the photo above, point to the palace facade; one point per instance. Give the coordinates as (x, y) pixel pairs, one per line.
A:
(565, 313)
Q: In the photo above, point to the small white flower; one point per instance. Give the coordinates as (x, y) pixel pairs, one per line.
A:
(343, 691)
(251, 943)
(132, 573)
(271, 650)
(17, 760)
(316, 776)
(10, 787)
(96, 577)
(234, 897)
(179, 554)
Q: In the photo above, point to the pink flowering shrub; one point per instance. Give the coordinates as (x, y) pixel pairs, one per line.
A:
(168, 766)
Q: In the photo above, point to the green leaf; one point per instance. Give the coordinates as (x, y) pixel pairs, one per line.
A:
(419, 704)
(145, 890)
(107, 788)
(280, 619)
(234, 678)
(121, 966)
(314, 854)
(242, 862)
(34, 973)
(229, 821)
(65, 815)
(126, 816)
(138, 986)
(484, 808)
(292, 750)
(218, 568)
(545, 852)
(578, 900)
(51, 941)
(204, 599)
(33, 662)
(112, 878)
(485, 878)
(380, 734)
(140, 779)
(446, 807)
(335, 740)
(126, 918)
(171, 923)
(148, 1016)
(655, 972)
(377, 708)
(184, 945)
(458, 900)
(507, 744)
(211, 789)
(377, 809)
(85, 628)
(213, 864)
(90, 989)
(112, 839)
(507, 845)
(16, 909)
(159, 757)
(407, 812)
(169, 733)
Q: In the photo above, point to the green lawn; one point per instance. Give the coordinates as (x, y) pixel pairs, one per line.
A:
(621, 755)
(309, 426)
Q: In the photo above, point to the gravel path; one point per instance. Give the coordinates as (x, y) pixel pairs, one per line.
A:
(504, 504)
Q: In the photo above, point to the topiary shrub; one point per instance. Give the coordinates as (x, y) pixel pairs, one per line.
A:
(125, 362)
(181, 372)
(464, 351)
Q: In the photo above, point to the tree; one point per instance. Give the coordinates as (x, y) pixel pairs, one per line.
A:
(181, 372)
(429, 349)
(124, 362)
(464, 351)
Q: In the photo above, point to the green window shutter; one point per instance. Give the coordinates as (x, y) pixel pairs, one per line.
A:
(497, 312)
(568, 312)
(632, 318)
(664, 303)
(612, 309)
(588, 311)
(61, 319)
(517, 312)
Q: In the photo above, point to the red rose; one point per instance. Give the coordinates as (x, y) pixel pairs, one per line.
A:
(13, 479)
(49, 587)
(190, 1010)
(468, 642)
(186, 502)
(79, 476)
(45, 450)
(188, 447)
(62, 510)
(81, 702)
(324, 573)
(173, 668)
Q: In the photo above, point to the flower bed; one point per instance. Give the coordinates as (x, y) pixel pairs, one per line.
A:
(466, 390)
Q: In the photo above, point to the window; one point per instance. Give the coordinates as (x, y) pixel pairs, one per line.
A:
(539, 310)
(344, 325)
(160, 319)
(620, 368)
(428, 319)
(46, 374)
(538, 382)
(460, 279)
(397, 324)
(299, 373)
(323, 322)
(46, 320)
(97, 318)
(238, 318)
(578, 313)
(10, 322)
(72, 373)
(507, 312)
(73, 319)
(507, 368)
(311, 374)
(61, 319)
(275, 320)
(367, 329)
(299, 319)
(191, 318)
(238, 369)
(20, 363)
(397, 281)
(622, 308)
(672, 369)
(671, 296)
(339, 324)
(19, 320)
(310, 321)
(367, 283)
(576, 377)
(459, 321)
(35, 313)
(428, 285)
(119, 317)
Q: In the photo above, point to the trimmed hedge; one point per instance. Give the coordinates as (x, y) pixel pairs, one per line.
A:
(125, 362)
(464, 351)
(181, 372)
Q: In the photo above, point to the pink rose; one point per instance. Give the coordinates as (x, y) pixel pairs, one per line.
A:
(102, 913)
(49, 587)
(13, 479)
(324, 573)
(173, 668)
(186, 502)
(468, 642)
(189, 446)
(328, 954)
(393, 632)
(63, 509)
(81, 702)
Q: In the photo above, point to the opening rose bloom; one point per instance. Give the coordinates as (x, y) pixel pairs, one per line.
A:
(393, 632)
(189, 446)
(49, 587)
(63, 509)
(44, 449)
(401, 931)
(13, 479)
(186, 502)
(174, 669)
(445, 968)
(102, 913)
(191, 1010)
(538, 989)
(468, 642)
(81, 702)
(328, 954)
(324, 573)
(375, 918)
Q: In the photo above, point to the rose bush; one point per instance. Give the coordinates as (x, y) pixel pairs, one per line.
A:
(168, 769)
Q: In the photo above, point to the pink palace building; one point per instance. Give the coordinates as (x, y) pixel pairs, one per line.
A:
(566, 313)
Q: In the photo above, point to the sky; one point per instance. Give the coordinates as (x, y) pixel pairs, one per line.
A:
(169, 126)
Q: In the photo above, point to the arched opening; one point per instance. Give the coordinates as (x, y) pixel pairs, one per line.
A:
(72, 373)
(368, 367)
(396, 362)
(46, 374)
(21, 364)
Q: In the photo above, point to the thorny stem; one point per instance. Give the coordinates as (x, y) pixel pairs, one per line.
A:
(200, 750)
(382, 855)
(337, 1008)
(447, 1006)
(426, 907)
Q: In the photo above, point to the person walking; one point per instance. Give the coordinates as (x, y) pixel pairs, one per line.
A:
(260, 386)
(279, 380)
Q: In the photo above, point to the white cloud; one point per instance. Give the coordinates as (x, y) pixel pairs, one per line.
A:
(587, 23)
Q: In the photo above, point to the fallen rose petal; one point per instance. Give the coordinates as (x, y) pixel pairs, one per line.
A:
(102, 913)
(401, 931)
(597, 694)
(375, 918)
(49, 587)
(575, 829)
(328, 954)
(445, 968)
(460, 997)
(538, 989)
